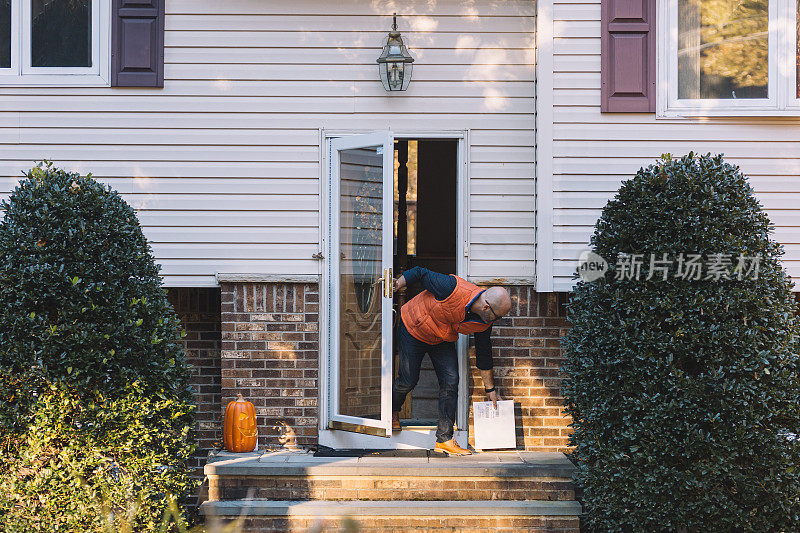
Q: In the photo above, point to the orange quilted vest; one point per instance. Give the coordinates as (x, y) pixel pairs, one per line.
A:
(433, 321)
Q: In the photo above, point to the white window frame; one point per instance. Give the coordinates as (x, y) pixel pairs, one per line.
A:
(788, 49)
(781, 82)
(22, 74)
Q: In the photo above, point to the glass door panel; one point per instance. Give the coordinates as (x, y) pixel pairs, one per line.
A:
(361, 235)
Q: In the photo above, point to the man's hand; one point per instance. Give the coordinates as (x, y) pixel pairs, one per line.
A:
(399, 284)
(493, 397)
(488, 383)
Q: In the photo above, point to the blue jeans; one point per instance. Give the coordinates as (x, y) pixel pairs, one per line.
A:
(445, 363)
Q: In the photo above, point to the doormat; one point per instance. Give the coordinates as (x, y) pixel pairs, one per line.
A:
(330, 452)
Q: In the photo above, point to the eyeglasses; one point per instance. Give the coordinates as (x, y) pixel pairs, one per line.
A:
(496, 317)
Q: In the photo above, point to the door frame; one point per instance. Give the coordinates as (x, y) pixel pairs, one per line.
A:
(410, 437)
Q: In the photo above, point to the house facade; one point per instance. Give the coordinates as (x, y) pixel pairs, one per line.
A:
(226, 125)
(280, 184)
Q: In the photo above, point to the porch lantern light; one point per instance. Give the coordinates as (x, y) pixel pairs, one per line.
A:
(395, 63)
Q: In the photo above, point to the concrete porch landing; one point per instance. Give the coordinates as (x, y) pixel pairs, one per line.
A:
(290, 490)
(301, 462)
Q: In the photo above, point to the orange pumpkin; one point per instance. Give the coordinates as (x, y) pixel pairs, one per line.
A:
(240, 433)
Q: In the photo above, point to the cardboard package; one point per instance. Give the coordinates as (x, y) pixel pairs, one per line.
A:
(494, 428)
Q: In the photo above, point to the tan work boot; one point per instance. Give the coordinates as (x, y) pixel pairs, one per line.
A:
(396, 422)
(451, 448)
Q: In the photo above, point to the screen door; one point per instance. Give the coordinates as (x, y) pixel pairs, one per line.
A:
(361, 232)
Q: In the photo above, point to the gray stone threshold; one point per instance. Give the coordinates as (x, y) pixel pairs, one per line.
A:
(390, 508)
(300, 463)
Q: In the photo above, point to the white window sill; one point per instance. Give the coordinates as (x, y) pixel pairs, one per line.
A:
(690, 113)
(55, 80)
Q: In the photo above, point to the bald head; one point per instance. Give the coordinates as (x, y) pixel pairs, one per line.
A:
(492, 304)
(499, 299)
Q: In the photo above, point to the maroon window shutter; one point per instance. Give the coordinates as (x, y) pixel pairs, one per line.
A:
(137, 43)
(628, 56)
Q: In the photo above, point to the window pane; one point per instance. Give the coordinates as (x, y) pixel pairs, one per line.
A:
(61, 33)
(5, 33)
(360, 298)
(722, 48)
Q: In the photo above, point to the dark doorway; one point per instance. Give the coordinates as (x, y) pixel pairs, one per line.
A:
(425, 185)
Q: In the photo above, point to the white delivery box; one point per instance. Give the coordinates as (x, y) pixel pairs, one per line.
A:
(494, 428)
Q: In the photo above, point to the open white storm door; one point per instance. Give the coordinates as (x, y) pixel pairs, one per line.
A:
(360, 274)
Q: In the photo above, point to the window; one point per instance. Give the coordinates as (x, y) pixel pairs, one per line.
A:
(54, 42)
(729, 57)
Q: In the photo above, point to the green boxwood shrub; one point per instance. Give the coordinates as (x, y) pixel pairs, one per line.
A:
(682, 391)
(96, 412)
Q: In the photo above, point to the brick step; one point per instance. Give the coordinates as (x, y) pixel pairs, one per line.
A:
(266, 516)
(301, 476)
(314, 487)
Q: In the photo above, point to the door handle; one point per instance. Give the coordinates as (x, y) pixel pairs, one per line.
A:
(382, 281)
(388, 283)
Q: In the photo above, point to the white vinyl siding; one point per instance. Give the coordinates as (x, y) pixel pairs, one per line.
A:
(592, 152)
(222, 164)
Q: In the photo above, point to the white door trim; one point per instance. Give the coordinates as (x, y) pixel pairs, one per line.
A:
(421, 437)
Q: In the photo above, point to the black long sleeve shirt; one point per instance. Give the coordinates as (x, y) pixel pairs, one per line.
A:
(442, 286)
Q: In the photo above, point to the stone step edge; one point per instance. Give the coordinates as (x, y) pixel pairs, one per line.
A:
(311, 508)
(559, 472)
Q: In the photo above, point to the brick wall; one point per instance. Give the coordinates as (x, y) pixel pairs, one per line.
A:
(199, 311)
(270, 354)
(527, 357)
(268, 350)
(398, 486)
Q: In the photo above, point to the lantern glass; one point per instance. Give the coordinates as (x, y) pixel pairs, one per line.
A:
(408, 67)
(394, 75)
(383, 71)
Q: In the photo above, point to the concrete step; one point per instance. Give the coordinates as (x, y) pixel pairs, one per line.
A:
(264, 516)
(259, 507)
(291, 475)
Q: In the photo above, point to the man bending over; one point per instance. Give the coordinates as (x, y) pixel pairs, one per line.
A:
(430, 323)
